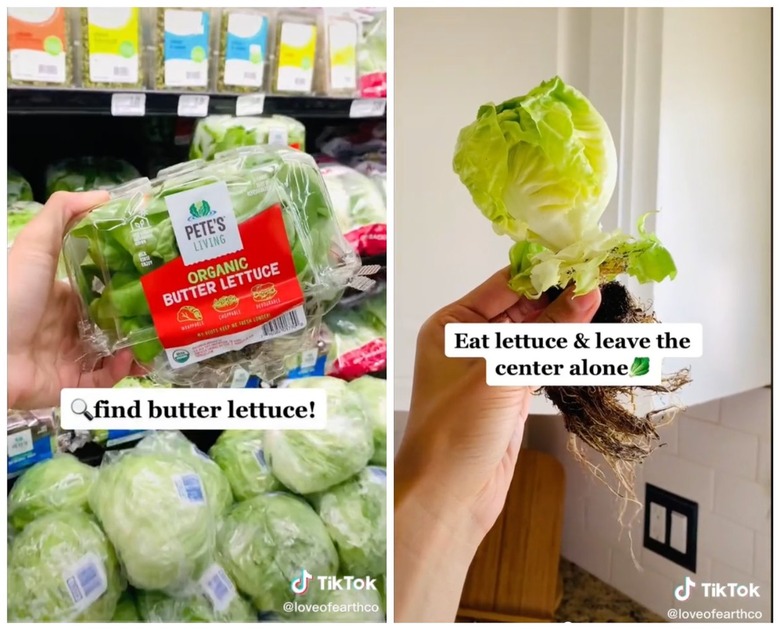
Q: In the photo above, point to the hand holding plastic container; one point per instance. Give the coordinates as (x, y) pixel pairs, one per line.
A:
(211, 266)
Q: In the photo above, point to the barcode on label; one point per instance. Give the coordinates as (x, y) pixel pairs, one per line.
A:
(260, 456)
(250, 76)
(193, 76)
(120, 71)
(218, 588)
(289, 322)
(86, 582)
(190, 489)
(45, 69)
(300, 82)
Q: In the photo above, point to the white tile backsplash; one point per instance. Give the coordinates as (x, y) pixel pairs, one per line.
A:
(717, 447)
(745, 502)
(718, 455)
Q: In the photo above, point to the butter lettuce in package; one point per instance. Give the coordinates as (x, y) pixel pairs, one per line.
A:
(358, 345)
(360, 208)
(217, 134)
(212, 267)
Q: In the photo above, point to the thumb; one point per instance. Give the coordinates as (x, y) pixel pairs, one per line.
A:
(568, 309)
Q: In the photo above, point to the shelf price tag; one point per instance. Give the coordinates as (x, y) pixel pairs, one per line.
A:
(193, 106)
(128, 104)
(250, 104)
(367, 108)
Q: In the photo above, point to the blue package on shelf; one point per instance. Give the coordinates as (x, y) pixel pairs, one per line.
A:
(30, 440)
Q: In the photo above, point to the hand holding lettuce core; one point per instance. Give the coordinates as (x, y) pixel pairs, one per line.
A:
(542, 168)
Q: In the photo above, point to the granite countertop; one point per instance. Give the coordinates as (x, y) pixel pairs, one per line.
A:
(588, 599)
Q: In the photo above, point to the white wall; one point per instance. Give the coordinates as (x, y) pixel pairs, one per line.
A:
(447, 64)
(717, 455)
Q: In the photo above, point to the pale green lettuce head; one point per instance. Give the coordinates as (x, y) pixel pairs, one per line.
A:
(542, 168)
(63, 568)
(154, 509)
(265, 542)
(60, 483)
(241, 456)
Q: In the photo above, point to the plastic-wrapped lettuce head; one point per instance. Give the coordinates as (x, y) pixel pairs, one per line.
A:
(63, 568)
(241, 457)
(313, 461)
(20, 213)
(213, 600)
(60, 483)
(126, 610)
(373, 398)
(153, 508)
(19, 188)
(340, 607)
(265, 542)
(88, 173)
(218, 492)
(217, 134)
(355, 515)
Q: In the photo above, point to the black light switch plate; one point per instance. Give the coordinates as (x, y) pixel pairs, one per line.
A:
(672, 503)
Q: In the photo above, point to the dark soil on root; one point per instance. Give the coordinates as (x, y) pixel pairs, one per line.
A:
(602, 417)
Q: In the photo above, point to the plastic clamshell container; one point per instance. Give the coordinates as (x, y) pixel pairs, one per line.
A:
(297, 52)
(341, 46)
(143, 282)
(244, 51)
(183, 49)
(42, 47)
(112, 48)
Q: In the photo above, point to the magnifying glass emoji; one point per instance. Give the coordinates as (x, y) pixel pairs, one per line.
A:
(79, 407)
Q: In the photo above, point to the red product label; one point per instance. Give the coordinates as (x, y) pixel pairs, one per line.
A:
(229, 294)
(369, 240)
(370, 358)
(374, 85)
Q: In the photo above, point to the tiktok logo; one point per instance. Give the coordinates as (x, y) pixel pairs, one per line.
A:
(683, 592)
(300, 584)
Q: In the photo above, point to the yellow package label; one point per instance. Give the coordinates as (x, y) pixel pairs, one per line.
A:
(113, 32)
(297, 46)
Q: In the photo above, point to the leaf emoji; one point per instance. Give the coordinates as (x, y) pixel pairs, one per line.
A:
(640, 366)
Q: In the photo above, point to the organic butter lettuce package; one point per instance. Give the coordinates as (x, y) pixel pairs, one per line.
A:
(212, 267)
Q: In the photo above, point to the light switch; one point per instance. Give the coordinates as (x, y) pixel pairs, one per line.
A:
(679, 533)
(658, 523)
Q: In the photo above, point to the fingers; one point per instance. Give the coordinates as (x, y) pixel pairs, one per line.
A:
(113, 370)
(567, 309)
(492, 298)
(44, 234)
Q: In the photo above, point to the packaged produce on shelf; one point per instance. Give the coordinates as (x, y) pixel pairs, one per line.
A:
(297, 42)
(313, 461)
(358, 345)
(183, 49)
(217, 134)
(19, 188)
(310, 361)
(63, 568)
(216, 600)
(360, 208)
(111, 48)
(53, 485)
(20, 213)
(215, 484)
(264, 542)
(40, 47)
(355, 516)
(166, 267)
(241, 456)
(88, 173)
(372, 53)
(341, 39)
(126, 609)
(373, 397)
(154, 509)
(244, 50)
(32, 438)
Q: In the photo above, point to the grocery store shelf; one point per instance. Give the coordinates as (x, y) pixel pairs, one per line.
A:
(36, 101)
